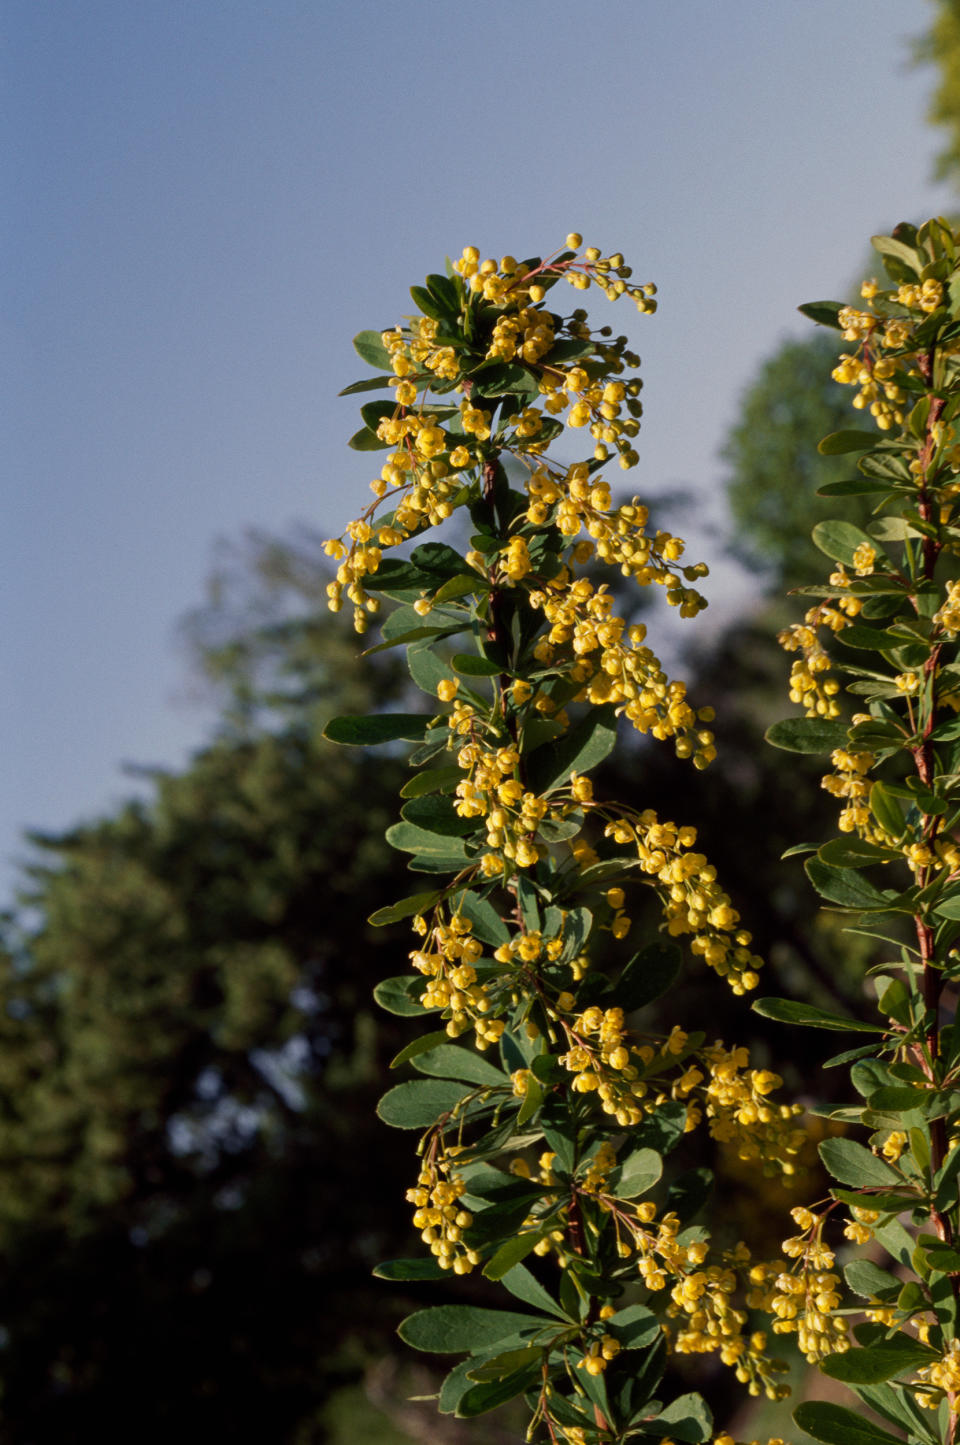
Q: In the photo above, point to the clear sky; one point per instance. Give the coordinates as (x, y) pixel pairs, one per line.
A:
(206, 199)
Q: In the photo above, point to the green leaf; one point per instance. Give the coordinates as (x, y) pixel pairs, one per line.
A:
(840, 540)
(420, 1102)
(648, 975)
(896, 250)
(870, 639)
(437, 815)
(839, 442)
(504, 378)
(488, 926)
(510, 1254)
(451, 1329)
(853, 487)
(405, 908)
(886, 809)
(949, 907)
(893, 529)
(478, 1399)
(379, 727)
(461, 587)
(455, 1386)
(406, 622)
(868, 1279)
(366, 440)
(581, 749)
(564, 351)
(470, 665)
(404, 1269)
(878, 1362)
(426, 668)
(451, 1061)
(893, 1202)
(446, 290)
(790, 1011)
(899, 1098)
(853, 852)
(900, 1409)
(664, 1129)
(504, 1364)
(369, 383)
(895, 1240)
(942, 1257)
(638, 1173)
(851, 1163)
(836, 1425)
(807, 735)
(432, 780)
(532, 1101)
(687, 1418)
(368, 344)
(887, 465)
(524, 1286)
(481, 1398)
(401, 995)
(409, 838)
(843, 886)
(635, 1327)
(689, 1192)
(421, 1046)
(824, 313)
(428, 304)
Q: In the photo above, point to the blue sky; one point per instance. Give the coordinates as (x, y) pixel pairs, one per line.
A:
(210, 198)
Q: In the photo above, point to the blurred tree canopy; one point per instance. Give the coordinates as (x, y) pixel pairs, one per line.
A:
(940, 46)
(191, 1174)
(773, 468)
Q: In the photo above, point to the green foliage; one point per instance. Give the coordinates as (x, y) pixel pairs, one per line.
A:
(773, 473)
(549, 1169)
(893, 606)
(180, 1046)
(940, 46)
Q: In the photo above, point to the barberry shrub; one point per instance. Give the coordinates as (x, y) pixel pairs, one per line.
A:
(548, 1104)
(883, 631)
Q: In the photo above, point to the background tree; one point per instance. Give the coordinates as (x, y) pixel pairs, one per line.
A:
(772, 468)
(191, 1176)
(940, 46)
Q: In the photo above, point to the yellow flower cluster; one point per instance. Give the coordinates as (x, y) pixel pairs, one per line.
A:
(878, 389)
(693, 900)
(602, 1060)
(493, 790)
(850, 781)
(575, 501)
(447, 959)
(740, 1114)
(810, 680)
(940, 1381)
(725, 1439)
(715, 1326)
(879, 378)
(439, 1216)
(700, 1293)
(803, 1300)
(947, 615)
(624, 671)
(423, 476)
(527, 333)
(599, 1354)
(514, 278)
